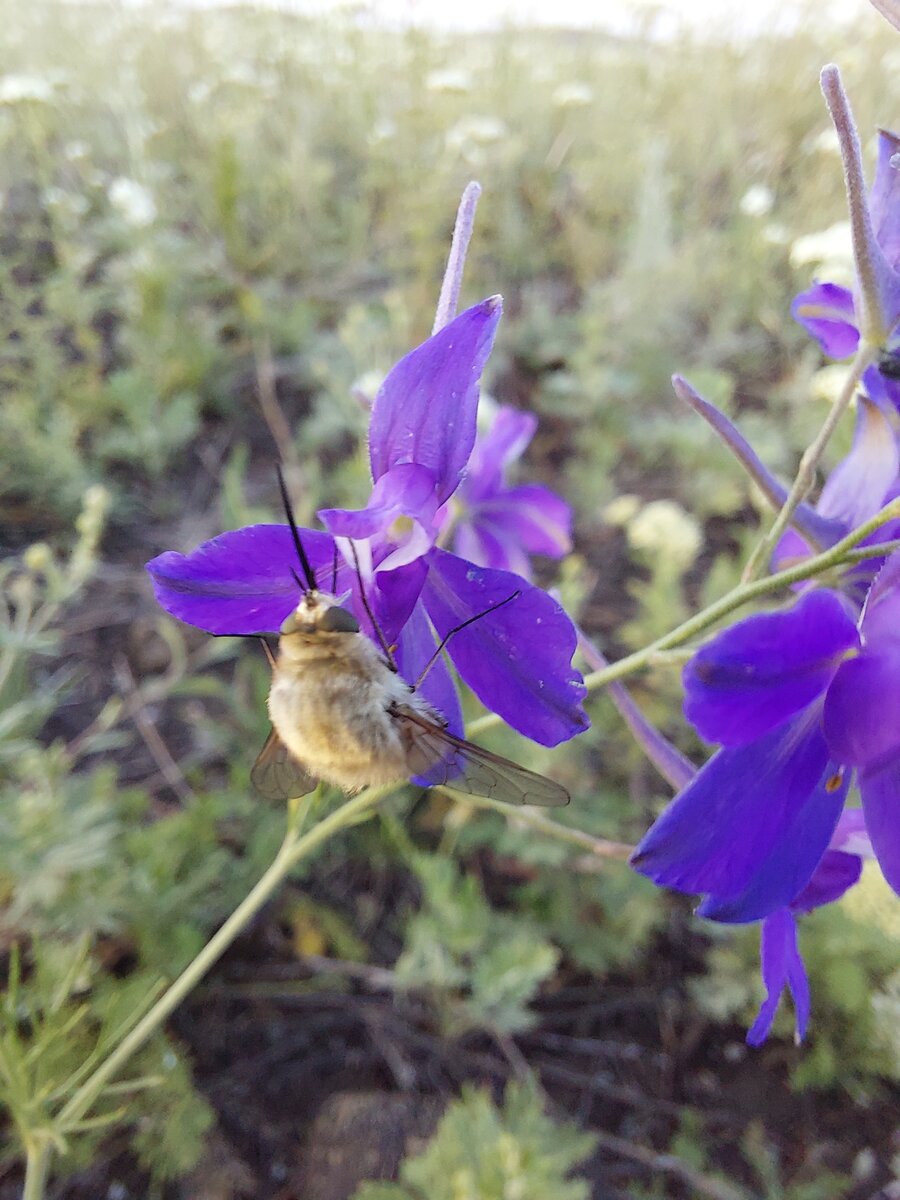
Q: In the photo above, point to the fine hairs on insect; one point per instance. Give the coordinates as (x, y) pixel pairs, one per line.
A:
(342, 713)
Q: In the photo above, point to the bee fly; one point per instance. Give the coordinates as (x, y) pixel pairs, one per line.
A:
(342, 713)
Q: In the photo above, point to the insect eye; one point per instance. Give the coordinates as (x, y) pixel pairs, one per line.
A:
(338, 620)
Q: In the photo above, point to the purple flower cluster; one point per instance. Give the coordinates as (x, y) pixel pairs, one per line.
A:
(516, 659)
(500, 526)
(831, 313)
(804, 702)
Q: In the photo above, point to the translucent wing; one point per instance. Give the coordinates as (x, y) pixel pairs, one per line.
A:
(449, 760)
(277, 775)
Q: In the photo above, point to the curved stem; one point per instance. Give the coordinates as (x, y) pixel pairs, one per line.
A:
(293, 849)
(812, 456)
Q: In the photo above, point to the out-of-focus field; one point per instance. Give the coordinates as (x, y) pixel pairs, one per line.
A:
(218, 230)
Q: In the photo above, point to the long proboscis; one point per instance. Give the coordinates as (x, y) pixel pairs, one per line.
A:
(295, 532)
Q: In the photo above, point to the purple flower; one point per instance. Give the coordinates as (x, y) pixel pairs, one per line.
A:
(798, 700)
(782, 966)
(499, 526)
(517, 659)
(833, 314)
(859, 486)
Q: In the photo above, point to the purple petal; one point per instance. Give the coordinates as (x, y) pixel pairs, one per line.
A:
(425, 410)
(241, 582)
(404, 491)
(782, 967)
(753, 676)
(880, 625)
(480, 543)
(415, 648)
(805, 518)
(536, 518)
(884, 199)
(835, 874)
(880, 790)
(718, 833)
(791, 549)
(502, 445)
(850, 834)
(392, 597)
(882, 390)
(516, 660)
(856, 488)
(794, 858)
(828, 313)
(862, 709)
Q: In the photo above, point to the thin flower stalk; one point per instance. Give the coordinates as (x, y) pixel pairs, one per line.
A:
(836, 556)
(812, 456)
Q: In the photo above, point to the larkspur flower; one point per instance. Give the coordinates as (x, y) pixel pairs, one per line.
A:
(495, 525)
(800, 701)
(517, 660)
(838, 317)
(859, 486)
(781, 963)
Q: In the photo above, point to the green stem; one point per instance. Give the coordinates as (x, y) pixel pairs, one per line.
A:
(293, 849)
(812, 456)
(37, 1166)
(601, 847)
(736, 598)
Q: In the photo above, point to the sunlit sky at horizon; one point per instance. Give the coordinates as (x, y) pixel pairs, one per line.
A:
(725, 17)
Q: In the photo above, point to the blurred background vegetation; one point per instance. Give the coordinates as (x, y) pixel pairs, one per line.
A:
(218, 230)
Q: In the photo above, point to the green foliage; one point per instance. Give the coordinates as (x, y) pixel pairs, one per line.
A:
(196, 207)
(482, 1152)
(480, 966)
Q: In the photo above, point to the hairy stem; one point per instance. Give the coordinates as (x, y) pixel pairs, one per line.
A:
(812, 456)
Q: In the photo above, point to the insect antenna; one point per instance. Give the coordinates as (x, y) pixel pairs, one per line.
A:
(458, 629)
(295, 534)
(334, 566)
(382, 640)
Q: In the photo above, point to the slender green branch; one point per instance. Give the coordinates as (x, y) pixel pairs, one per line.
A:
(293, 849)
(812, 456)
(601, 847)
(840, 553)
(38, 1152)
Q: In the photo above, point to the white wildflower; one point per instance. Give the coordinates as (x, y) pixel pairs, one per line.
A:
(757, 201)
(133, 201)
(480, 131)
(830, 252)
(17, 88)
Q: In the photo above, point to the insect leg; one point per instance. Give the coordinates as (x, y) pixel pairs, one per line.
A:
(458, 629)
(382, 640)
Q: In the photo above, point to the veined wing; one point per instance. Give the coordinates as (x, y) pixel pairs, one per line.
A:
(277, 775)
(450, 760)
